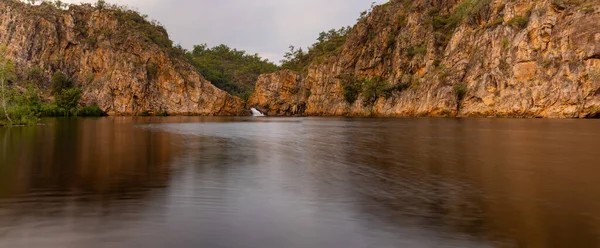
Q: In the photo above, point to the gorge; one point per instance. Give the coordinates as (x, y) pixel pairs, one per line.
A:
(403, 58)
(197, 149)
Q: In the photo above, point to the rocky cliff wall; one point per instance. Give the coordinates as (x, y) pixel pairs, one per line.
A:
(122, 62)
(281, 93)
(518, 58)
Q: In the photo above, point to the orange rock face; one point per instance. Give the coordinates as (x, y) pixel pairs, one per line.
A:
(515, 58)
(280, 93)
(122, 68)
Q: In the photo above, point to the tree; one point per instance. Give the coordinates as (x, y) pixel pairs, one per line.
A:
(229, 69)
(7, 71)
(328, 43)
(66, 95)
(59, 4)
(60, 81)
(101, 4)
(68, 99)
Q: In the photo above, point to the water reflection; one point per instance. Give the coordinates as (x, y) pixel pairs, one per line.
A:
(311, 182)
(97, 156)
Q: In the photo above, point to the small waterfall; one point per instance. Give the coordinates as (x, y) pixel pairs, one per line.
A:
(256, 113)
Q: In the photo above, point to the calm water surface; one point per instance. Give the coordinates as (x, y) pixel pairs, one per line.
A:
(305, 182)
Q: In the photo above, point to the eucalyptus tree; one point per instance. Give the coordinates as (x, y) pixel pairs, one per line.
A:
(7, 71)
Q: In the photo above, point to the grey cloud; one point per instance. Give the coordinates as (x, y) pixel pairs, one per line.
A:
(266, 27)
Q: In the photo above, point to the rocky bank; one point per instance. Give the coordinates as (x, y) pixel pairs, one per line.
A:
(518, 58)
(124, 64)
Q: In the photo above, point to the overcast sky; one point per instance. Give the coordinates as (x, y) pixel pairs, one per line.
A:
(266, 27)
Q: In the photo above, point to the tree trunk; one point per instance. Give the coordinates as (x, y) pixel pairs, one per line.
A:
(2, 80)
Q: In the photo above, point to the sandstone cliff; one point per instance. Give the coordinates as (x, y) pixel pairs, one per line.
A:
(123, 63)
(518, 58)
(281, 93)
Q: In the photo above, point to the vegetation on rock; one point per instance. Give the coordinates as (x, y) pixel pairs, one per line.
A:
(476, 57)
(371, 88)
(7, 71)
(460, 91)
(115, 57)
(24, 106)
(229, 69)
(328, 43)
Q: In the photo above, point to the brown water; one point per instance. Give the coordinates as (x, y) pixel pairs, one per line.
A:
(307, 182)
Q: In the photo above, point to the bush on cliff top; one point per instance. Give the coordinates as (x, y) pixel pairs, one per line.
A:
(231, 70)
(328, 43)
(131, 23)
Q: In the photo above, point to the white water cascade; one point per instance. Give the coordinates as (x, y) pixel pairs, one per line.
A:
(256, 113)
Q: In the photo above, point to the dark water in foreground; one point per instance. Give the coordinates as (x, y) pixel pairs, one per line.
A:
(243, 182)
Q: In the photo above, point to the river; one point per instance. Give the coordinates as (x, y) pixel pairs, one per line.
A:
(300, 182)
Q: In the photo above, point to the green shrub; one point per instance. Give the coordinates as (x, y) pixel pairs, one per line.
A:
(588, 8)
(390, 90)
(373, 89)
(505, 43)
(351, 86)
(60, 81)
(21, 108)
(162, 113)
(433, 12)
(101, 4)
(328, 43)
(20, 115)
(151, 70)
(91, 111)
(351, 93)
(495, 23)
(134, 24)
(439, 22)
(68, 98)
(232, 70)
(52, 110)
(25, 108)
(413, 51)
(90, 77)
(519, 21)
(35, 75)
(460, 91)
(401, 19)
(465, 10)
